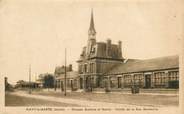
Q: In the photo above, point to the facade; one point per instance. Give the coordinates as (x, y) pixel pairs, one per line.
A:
(101, 64)
(152, 73)
(71, 78)
(96, 59)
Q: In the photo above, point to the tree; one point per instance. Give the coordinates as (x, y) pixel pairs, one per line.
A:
(48, 81)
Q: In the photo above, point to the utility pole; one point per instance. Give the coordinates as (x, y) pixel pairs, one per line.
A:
(65, 71)
(29, 79)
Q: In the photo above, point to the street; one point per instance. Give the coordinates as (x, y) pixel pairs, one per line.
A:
(16, 100)
(52, 98)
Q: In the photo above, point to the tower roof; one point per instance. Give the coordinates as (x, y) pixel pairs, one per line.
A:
(92, 26)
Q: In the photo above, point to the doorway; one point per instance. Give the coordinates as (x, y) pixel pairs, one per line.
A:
(148, 81)
(81, 83)
(61, 85)
(119, 82)
(71, 84)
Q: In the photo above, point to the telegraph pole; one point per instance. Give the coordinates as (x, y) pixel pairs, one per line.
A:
(65, 72)
(29, 79)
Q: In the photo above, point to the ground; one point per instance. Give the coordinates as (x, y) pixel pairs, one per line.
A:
(118, 98)
(135, 99)
(14, 100)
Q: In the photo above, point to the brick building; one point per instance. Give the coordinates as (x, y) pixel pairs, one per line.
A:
(96, 59)
(101, 63)
(160, 72)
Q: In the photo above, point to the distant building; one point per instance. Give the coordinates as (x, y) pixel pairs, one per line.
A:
(101, 63)
(25, 84)
(71, 78)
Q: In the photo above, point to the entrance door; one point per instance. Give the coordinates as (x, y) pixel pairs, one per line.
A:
(88, 84)
(119, 82)
(81, 83)
(62, 86)
(148, 81)
(72, 84)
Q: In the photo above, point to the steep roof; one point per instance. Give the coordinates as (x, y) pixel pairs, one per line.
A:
(101, 51)
(146, 65)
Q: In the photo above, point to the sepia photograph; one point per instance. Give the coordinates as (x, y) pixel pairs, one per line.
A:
(61, 56)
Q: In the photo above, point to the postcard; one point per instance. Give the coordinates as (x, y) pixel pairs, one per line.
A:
(96, 56)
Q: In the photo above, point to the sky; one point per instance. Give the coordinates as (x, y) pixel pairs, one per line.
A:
(37, 32)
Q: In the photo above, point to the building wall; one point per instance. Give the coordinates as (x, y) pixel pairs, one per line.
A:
(158, 79)
(92, 71)
(71, 84)
(154, 79)
(100, 57)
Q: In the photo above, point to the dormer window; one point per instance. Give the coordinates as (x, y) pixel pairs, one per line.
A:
(93, 50)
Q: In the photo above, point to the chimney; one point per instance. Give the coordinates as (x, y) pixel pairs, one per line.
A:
(119, 45)
(70, 67)
(119, 48)
(6, 81)
(108, 47)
